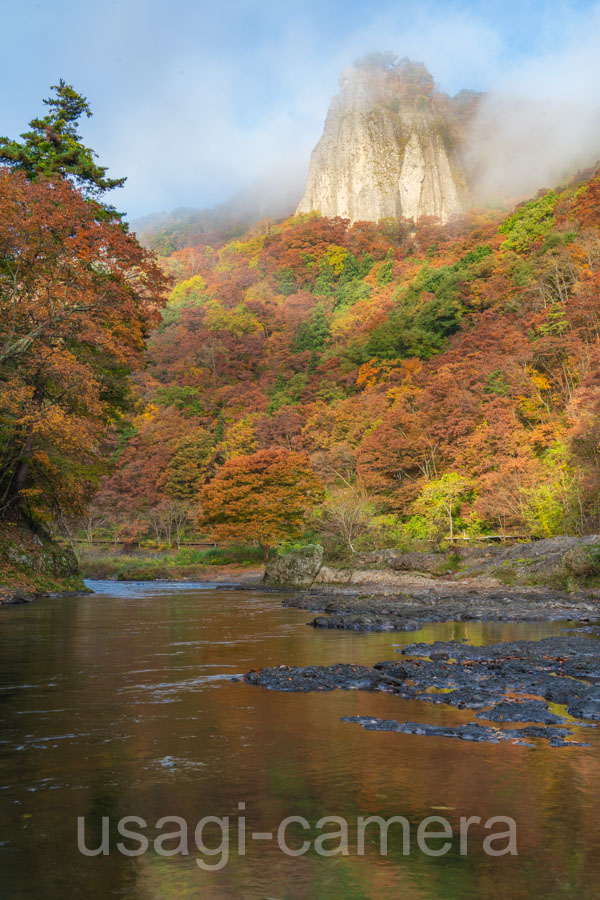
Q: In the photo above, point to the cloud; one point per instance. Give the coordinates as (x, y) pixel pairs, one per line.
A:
(197, 102)
(542, 120)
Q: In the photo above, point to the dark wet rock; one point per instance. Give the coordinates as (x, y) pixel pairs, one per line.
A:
(586, 629)
(360, 611)
(322, 678)
(471, 731)
(521, 711)
(511, 681)
(363, 622)
(558, 669)
(586, 705)
(552, 652)
(554, 736)
(15, 597)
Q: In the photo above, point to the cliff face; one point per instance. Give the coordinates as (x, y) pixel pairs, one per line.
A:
(390, 147)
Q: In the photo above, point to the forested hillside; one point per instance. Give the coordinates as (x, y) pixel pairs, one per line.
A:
(78, 297)
(437, 379)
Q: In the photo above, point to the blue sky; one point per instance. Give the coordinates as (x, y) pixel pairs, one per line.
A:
(193, 101)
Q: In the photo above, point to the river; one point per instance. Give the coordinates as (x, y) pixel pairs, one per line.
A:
(124, 703)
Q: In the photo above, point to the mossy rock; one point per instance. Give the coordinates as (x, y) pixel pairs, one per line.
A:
(583, 560)
(296, 568)
(33, 562)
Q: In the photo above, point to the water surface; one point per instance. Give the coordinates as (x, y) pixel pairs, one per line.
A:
(123, 703)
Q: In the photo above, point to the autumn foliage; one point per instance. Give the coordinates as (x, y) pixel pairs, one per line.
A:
(265, 496)
(398, 360)
(78, 298)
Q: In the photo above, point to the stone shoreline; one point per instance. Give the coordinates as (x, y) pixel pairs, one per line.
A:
(358, 611)
(508, 685)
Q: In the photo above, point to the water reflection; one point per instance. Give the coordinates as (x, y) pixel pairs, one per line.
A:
(125, 703)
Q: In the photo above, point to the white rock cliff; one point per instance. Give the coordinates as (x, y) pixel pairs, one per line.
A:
(390, 147)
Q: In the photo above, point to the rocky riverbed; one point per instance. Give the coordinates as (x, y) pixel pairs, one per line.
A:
(441, 602)
(521, 691)
(504, 684)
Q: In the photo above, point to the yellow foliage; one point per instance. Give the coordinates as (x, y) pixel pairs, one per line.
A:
(240, 438)
(336, 257)
(237, 252)
(150, 412)
(538, 379)
(237, 321)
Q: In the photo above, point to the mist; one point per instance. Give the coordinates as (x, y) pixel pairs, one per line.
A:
(198, 104)
(540, 123)
(539, 120)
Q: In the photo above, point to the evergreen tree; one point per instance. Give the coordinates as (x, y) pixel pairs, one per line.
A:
(312, 335)
(53, 146)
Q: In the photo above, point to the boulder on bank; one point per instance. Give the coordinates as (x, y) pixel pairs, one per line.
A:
(583, 560)
(296, 568)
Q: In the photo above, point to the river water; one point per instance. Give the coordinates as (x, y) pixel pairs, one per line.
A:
(123, 703)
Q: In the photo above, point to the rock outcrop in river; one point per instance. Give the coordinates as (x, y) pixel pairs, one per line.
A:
(390, 147)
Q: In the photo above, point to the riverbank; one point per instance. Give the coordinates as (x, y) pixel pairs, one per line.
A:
(539, 686)
(387, 590)
(32, 565)
(238, 562)
(558, 578)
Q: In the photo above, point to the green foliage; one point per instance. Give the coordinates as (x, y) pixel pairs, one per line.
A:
(529, 223)
(552, 505)
(185, 295)
(53, 146)
(313, 334)
(391, 531)
(384, 272)
(287, 392)
(219, 427)
(417, 527)
(545, 511)
(285, 280)
(522, 273)
(429, 311)
(495, 383)
(474, 256)
(366, 264)
(556, 239)
(340, 275)
(440, 499)
(556, 321)
(218, 556)
(324, 280)
(421, 333)
(351, 292)
(182, 397)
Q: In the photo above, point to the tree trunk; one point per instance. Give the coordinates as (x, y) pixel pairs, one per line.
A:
(265, 551)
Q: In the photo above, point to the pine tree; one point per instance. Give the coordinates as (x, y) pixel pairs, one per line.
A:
(53, 146)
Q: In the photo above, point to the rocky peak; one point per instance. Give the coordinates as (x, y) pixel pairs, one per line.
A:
(390, 147)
